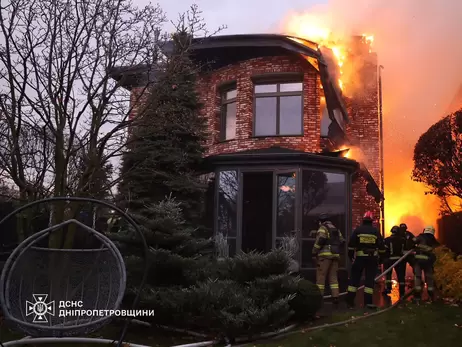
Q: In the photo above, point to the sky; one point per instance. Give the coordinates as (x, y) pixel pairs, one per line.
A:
(240, 16)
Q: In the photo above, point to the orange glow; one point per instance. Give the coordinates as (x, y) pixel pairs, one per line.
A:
(411, 104)
(354, 153)
(310, 27)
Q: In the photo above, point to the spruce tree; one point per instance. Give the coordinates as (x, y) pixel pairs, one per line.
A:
(167, 145)
(161, 187)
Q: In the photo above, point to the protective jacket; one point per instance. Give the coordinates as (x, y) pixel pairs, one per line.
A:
(328, 241)
(425, 244)
(366, 241)
(395, 245)
(410, 240)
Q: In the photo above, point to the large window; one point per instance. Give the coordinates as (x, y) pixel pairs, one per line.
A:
(227, 207)
(322, 192)
(228, 114)
(278, 109)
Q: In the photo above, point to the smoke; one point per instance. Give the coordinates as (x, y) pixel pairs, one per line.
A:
(419, 44)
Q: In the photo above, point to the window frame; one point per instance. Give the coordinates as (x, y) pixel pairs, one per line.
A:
(278, 94)
(224, 102)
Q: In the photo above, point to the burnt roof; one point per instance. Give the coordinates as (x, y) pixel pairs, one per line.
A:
(217, 51)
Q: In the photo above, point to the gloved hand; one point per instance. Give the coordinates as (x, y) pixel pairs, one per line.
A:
(314, 259)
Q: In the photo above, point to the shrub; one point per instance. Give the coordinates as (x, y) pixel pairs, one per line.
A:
(244, 295)
(307, 301)
(448, 273)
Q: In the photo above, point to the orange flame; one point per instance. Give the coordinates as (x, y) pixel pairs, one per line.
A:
(312, 28)
(399, 207)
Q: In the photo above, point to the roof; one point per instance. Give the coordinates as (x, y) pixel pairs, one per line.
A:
(274, 156)
(221, 50)
(284, 156)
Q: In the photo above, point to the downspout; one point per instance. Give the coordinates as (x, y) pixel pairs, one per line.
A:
(382, 203)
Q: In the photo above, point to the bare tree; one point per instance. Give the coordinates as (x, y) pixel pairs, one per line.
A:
(58, 100)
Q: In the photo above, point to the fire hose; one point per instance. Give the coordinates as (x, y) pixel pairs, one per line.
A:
(289, 330)
(381, 275)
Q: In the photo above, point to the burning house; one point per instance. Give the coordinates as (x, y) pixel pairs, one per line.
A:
(285, 144)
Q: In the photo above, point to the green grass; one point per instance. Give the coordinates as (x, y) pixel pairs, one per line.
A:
(435, 325)
(136, 334)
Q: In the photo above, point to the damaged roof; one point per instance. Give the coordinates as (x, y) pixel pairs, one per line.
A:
(222, 50)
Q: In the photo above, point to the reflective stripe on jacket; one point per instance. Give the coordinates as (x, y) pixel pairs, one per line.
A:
(321, 246)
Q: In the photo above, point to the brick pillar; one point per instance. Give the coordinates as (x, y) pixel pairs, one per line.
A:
(364, 126)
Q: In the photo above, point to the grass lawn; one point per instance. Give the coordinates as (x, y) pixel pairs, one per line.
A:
(136, 334)
(435, 325)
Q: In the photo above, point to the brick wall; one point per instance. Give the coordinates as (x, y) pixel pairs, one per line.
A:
(241, 73)
(364, 127)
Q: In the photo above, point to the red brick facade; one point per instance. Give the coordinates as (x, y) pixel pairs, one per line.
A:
(363, 110)
(242, 73)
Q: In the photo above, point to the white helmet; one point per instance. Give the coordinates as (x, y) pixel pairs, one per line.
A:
(429, 230)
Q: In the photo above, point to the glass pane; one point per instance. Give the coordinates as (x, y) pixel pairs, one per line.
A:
(231, 94)
(323, 192)
(227, 203)
(266, 88)
(307, 247)
(291, 87)
(285, 209)
(265, 116)
(230, 121)
(325, 119)
(290, 115)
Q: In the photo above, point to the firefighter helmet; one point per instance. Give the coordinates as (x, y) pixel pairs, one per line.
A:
(403, 226)
(394, 229)
(323, 217)
(368, 216)
(429, 230)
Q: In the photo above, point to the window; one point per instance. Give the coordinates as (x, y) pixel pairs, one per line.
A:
(285, 208)
(227, 207)
(228, 114)
(278, 109)
(322, 192)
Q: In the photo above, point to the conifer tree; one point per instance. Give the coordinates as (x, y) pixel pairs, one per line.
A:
(161, 187)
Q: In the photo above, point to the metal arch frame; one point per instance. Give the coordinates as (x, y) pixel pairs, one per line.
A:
(28, 243)
(123, 214)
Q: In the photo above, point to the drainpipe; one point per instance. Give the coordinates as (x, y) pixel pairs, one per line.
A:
(382, 203)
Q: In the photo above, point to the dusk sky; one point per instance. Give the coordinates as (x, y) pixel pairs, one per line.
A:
(240, 16)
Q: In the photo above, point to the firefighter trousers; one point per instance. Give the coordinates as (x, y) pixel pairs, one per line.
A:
(423, 268)
(327, 269)
(400, 270)
(368, 264)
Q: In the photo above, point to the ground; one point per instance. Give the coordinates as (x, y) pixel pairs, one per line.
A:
(427, 325)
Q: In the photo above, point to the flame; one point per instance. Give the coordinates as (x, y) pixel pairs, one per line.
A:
(404, 208)
(310, 27)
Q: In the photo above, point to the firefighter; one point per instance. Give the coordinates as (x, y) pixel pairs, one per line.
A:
(410, 243)
(326, 252)
(365, 246)
(394, 246)
(424, 261)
